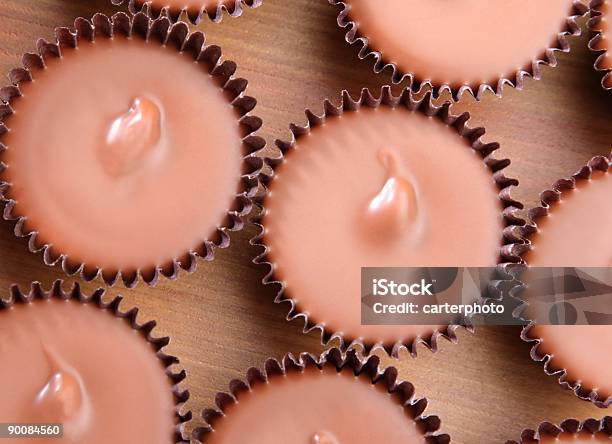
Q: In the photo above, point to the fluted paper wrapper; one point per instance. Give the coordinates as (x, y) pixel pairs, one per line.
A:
(176, 36)
(549, 197)
(474, 136)
(156, 8)
(595, 27)
(601, 427)
(354, 37)
(332, 358)
(145, 330)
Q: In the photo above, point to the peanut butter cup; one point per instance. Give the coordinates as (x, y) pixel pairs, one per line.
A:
(127, 149)
(569, 431)
(76, 360)
(599, 25)
(572, 229)
(332, 399)
(377, 182)
(196, 10)
(466, 45)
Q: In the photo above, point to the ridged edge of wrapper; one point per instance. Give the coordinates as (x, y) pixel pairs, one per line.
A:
(595, 18)
(548, 429)
(235, 8)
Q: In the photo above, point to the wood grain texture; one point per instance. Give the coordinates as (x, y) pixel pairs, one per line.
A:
(221, 320)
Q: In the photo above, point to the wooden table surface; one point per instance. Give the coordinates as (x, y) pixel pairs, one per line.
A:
(221, 320)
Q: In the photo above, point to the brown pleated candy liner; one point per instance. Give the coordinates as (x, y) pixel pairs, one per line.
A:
(96, 298)
(424, 105)
(353, 36)
(332, 358)
(547, 429)
(596, 17)
(174, 35)
(548, 198)
(195, 15)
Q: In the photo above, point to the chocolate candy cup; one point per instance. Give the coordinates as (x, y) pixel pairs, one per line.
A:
(592, 430)
(548, 198)
(485, 151)
(598, 24)
(37, 295)
(478, 89)
(334, 360)
(141, 28)
(156, 8)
